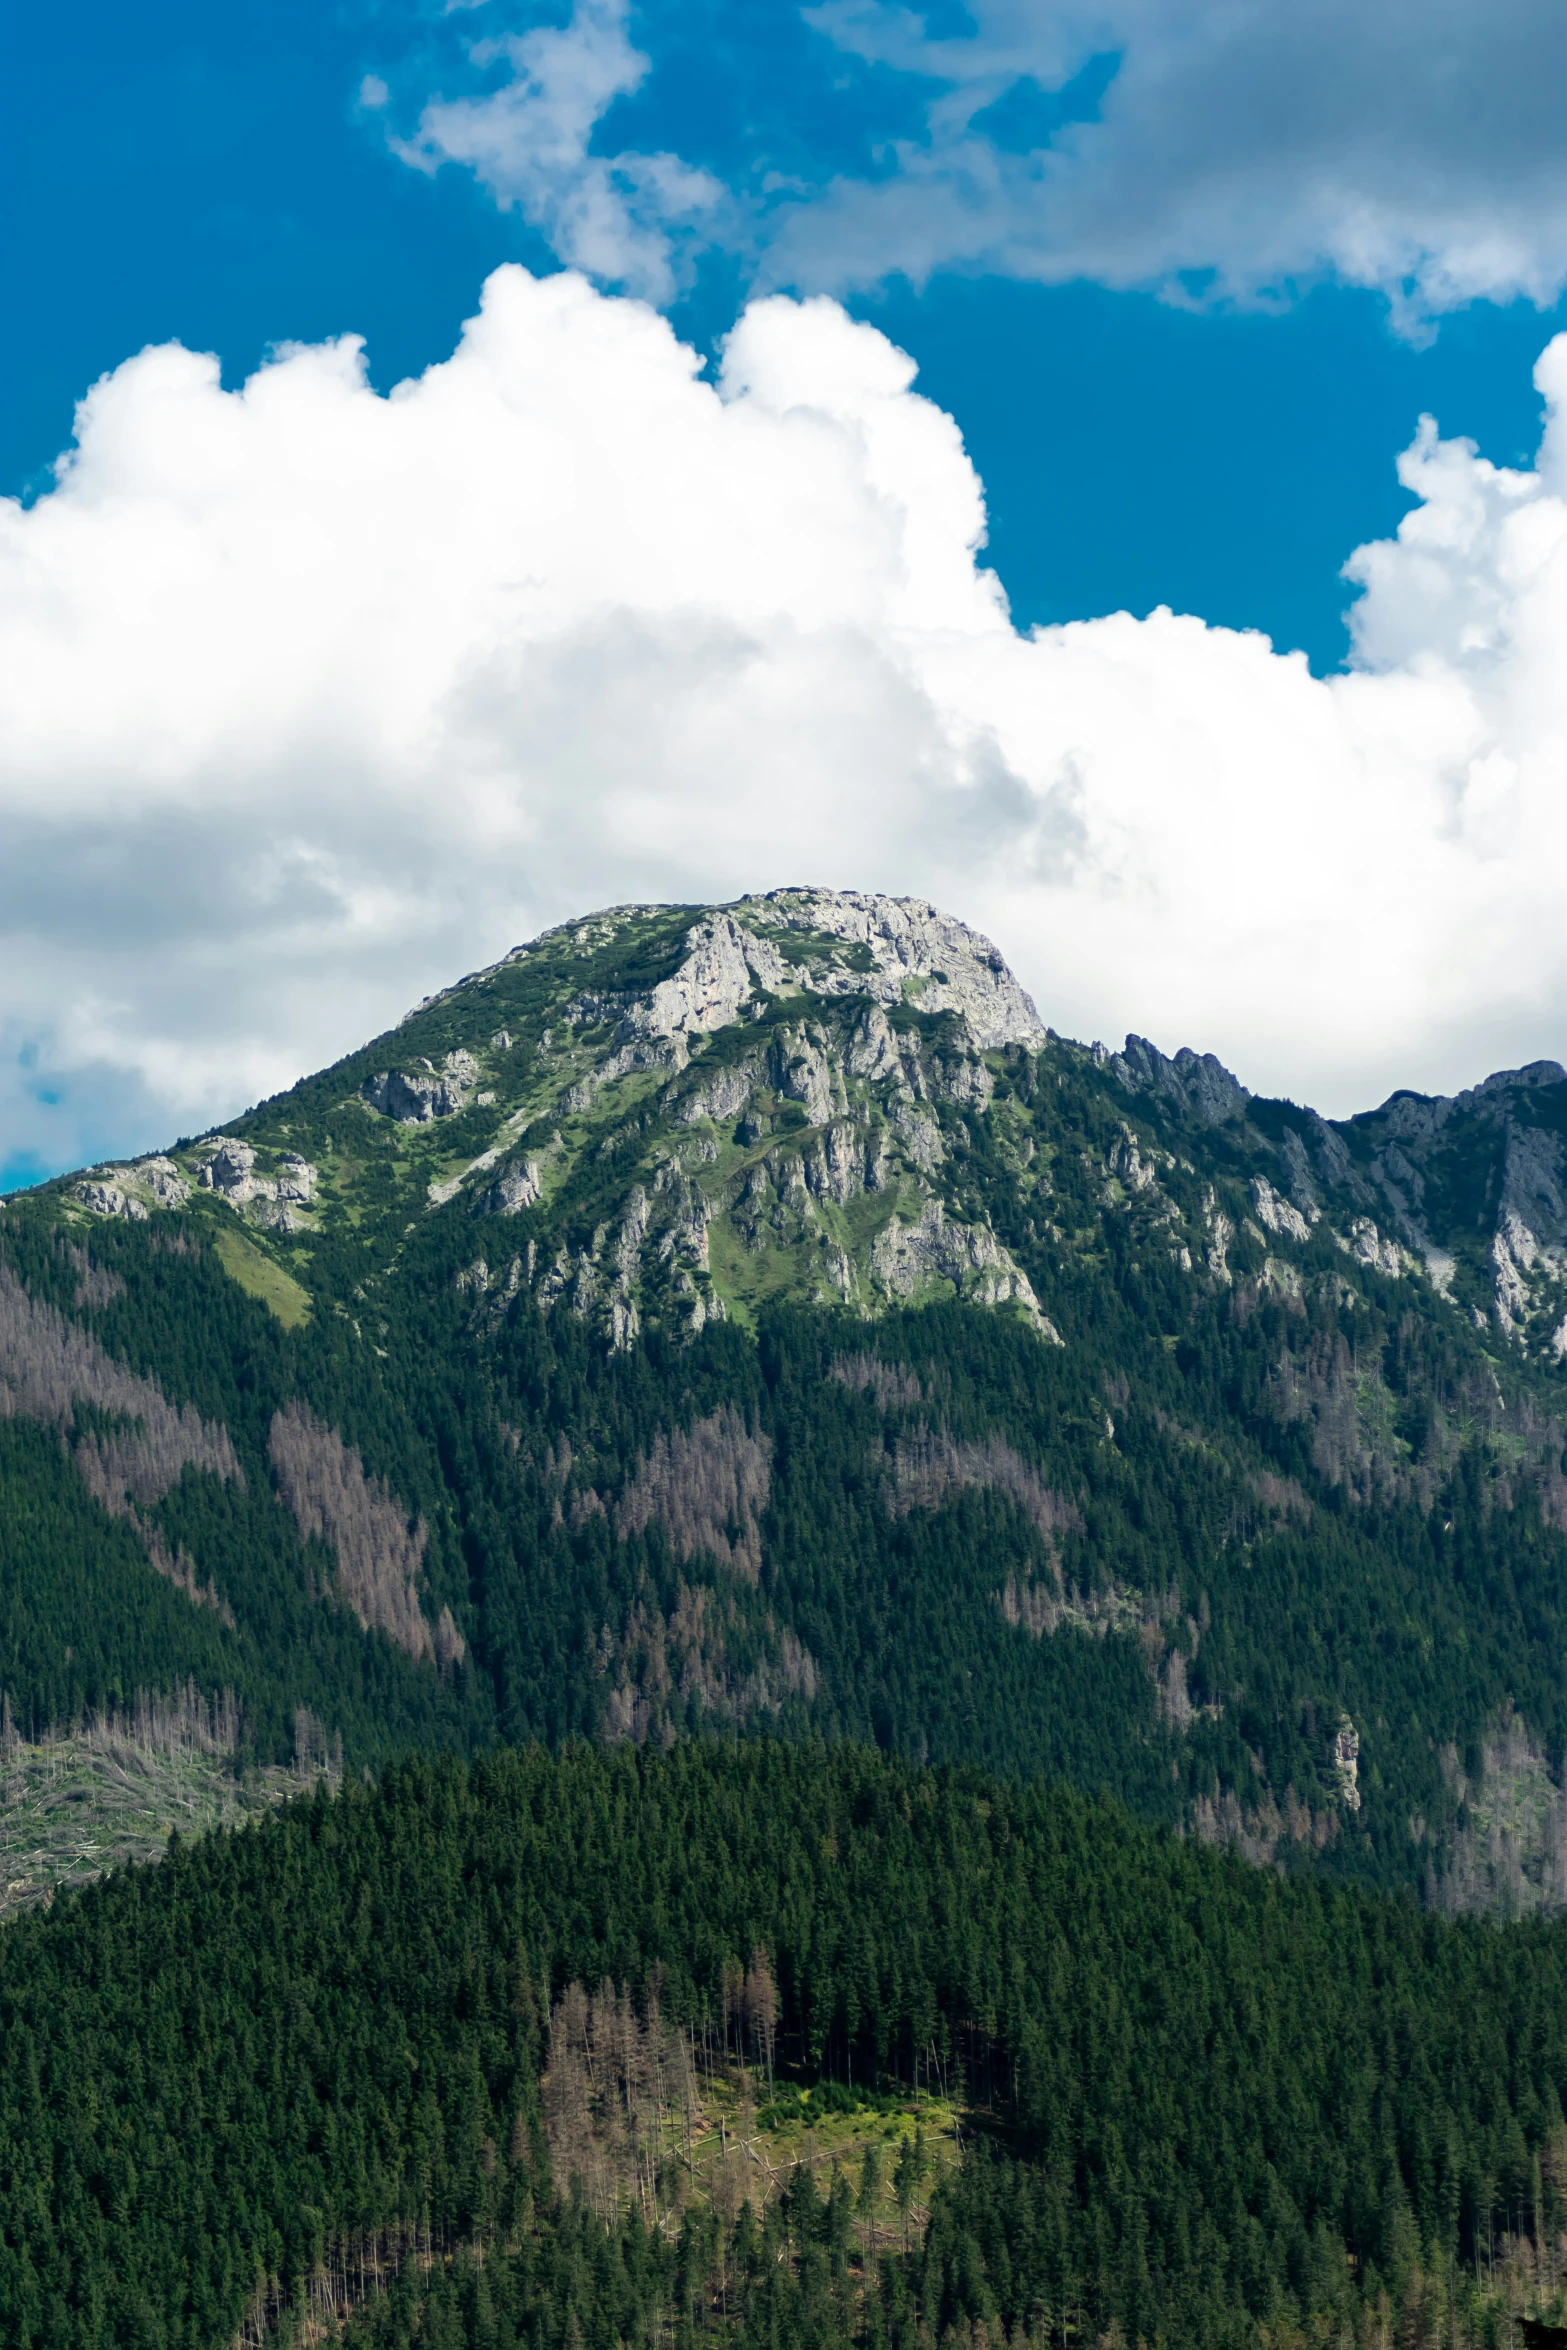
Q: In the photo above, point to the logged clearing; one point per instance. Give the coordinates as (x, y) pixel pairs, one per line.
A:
(75, 1803)
(644, 2115)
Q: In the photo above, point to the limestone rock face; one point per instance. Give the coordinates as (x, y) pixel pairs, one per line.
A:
(910, 952)
(707, 991)
(803, 1073)
(228, 1168)
(105, 1197)
(416, 1096)
(971, 1258)
(806, 1150)
(518, 1186)
(131, 1192)
(721, 1098)
(836, 943)
(1367, 1245)
(296, 1180)
(281, 1201)
(1529, 1246)
(162, 1179)
(1346, 1763)
(1276, 1213)
(1298, 1180)
(1194, 1084)
(1435, 1169)
(873, 1053)
(920, 1136)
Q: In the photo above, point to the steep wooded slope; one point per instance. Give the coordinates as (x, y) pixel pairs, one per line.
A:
(1214, 2108)
(755, 1318)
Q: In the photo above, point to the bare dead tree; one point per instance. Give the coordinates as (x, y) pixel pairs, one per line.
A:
(50, 1370)
(932, 1464)
(761, 2009)
(894, 1388)
(96, 1285)
(180, 1570)
(380, 1554)
(707, 1487)
(732, 2005)
(317, 1752)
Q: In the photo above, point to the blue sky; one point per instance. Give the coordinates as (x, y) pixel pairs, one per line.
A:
(1183, 278)
(208, 175)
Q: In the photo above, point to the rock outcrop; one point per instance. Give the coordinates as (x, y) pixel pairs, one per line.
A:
(162, 1181)
(822, 1050)
(833, 943)
(1433, 1171)
(228, 1169)
(416, 1096)
(133, 1192)
(1194, 1085)
(812, 1048)
(518, 1186)
(104, 1196)
(908, 1258)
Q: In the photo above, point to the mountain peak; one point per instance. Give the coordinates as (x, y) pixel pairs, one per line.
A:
(680, 1114)
(802, 940)
(666, 1114)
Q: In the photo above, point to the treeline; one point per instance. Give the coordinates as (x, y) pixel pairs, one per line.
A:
(1216, 2099)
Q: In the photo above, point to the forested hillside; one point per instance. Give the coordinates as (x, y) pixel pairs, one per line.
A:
(756, 1319)
(1205, 2105)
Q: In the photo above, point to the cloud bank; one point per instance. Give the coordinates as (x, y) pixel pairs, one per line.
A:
(1216, 150)
(312, 699)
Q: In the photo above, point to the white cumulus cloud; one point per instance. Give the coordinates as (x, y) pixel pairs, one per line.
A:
(312, 699)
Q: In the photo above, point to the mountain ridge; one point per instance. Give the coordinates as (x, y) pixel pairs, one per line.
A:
(850, 945)
(755, 1317)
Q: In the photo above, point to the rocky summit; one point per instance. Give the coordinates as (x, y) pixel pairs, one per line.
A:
(789, 1089)
(770, 1079)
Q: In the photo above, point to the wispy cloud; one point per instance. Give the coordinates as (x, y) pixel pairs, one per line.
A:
(1237, 152)
(625, 218)
(1214, 150)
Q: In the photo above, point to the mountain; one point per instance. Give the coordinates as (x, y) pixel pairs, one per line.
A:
(754, 1318)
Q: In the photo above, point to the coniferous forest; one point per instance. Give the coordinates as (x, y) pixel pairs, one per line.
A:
(1208, 2105)
(918, 1674)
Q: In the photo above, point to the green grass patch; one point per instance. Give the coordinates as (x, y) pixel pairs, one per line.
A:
(261, 1277)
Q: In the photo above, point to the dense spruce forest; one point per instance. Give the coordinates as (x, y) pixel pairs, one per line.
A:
(1208, 2105)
